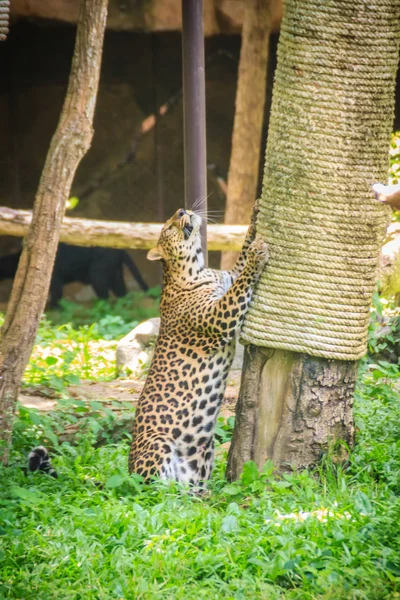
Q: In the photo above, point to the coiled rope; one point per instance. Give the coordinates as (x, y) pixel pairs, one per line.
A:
(4, 19)
(331, 117)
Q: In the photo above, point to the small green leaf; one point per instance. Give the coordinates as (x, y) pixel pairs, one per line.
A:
(51, 436)
(96, 405)
(268, 467)
(257, 562)
(71, 203)
(135, 481)
(114, 481)
(233, 509)
(35, 417)
(290, 565)
(229, 524)
(363, 504)
(250, 473)
(51, 360)
(26, 495)
(281, 485)
(231, 421)
(394, 568)
(231, 489)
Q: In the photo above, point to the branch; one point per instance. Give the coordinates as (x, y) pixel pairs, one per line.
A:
(116, 234)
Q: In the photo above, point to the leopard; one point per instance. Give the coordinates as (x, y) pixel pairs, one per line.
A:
(201, 313)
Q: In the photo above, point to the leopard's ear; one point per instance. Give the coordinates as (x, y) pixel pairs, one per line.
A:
(155, 254)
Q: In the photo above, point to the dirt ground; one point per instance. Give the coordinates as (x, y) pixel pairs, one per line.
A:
(122, 390)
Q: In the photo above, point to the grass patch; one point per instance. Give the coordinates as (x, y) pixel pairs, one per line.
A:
(332, 533)
(78, 342)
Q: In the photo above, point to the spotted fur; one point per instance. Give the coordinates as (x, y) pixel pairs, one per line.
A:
(201, 313)
(39, 460)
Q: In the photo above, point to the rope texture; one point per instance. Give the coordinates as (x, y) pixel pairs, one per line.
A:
(4, 19)
(331, 117)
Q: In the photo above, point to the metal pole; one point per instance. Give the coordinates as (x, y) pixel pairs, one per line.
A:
(158, 153)
(194, 111)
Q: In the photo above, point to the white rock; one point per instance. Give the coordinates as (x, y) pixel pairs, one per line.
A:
(238, 358)
(136, 349)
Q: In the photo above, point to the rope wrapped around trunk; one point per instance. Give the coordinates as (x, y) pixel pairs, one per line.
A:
(4, 19)
(331, 117)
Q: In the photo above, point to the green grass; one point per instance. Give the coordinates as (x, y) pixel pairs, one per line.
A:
(113, 319)
(333, 533)
(394, 158)
(78, 342)
(68, 539)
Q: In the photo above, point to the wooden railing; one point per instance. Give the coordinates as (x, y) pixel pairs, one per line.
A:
(116, 234)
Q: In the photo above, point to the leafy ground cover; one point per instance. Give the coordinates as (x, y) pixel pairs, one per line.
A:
(79, 342)
(394, 158)
(96, 533)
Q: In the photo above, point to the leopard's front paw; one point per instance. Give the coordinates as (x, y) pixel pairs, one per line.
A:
(259, 250)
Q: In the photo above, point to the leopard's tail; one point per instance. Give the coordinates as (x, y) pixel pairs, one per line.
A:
(39, 460)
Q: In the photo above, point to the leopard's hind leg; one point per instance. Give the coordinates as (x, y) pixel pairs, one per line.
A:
(160, 456)
(148, 457)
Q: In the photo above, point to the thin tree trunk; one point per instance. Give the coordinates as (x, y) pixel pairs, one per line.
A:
(331, 118)
(69, 144)
(249, 113)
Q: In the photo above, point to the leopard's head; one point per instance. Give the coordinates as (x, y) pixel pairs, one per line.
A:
(179, 243)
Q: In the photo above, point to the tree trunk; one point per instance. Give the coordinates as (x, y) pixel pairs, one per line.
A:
(249, 113)
(290, 406)
(331, 118)
(69, 144)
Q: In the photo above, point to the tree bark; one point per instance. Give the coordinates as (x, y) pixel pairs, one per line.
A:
(242, 446)
(249, 113)
(69, 144)
(293, 406)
